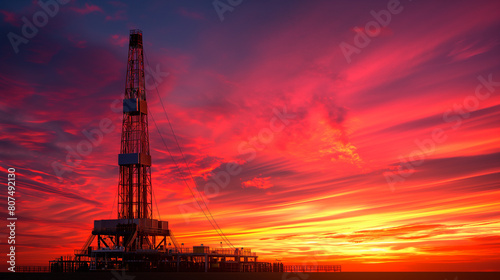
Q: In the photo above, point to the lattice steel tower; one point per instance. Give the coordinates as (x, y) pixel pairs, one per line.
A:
(134, 187)
(134, 240)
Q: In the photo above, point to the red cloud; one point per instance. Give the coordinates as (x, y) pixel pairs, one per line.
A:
(119, 40)
(87, 9)
(119, 15)
(9, 17)
(260, 183)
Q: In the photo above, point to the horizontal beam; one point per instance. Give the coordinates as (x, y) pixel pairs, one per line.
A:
(134, 159)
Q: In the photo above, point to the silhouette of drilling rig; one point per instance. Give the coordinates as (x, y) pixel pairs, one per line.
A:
(135, 241)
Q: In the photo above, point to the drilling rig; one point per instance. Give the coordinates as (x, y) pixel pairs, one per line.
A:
(134, 230)
(134, 240)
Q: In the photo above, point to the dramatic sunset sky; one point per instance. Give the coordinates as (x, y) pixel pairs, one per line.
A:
(387, 159)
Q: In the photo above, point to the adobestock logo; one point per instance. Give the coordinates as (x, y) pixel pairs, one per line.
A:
(222, 7)
(439, 135)
(39, 19)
